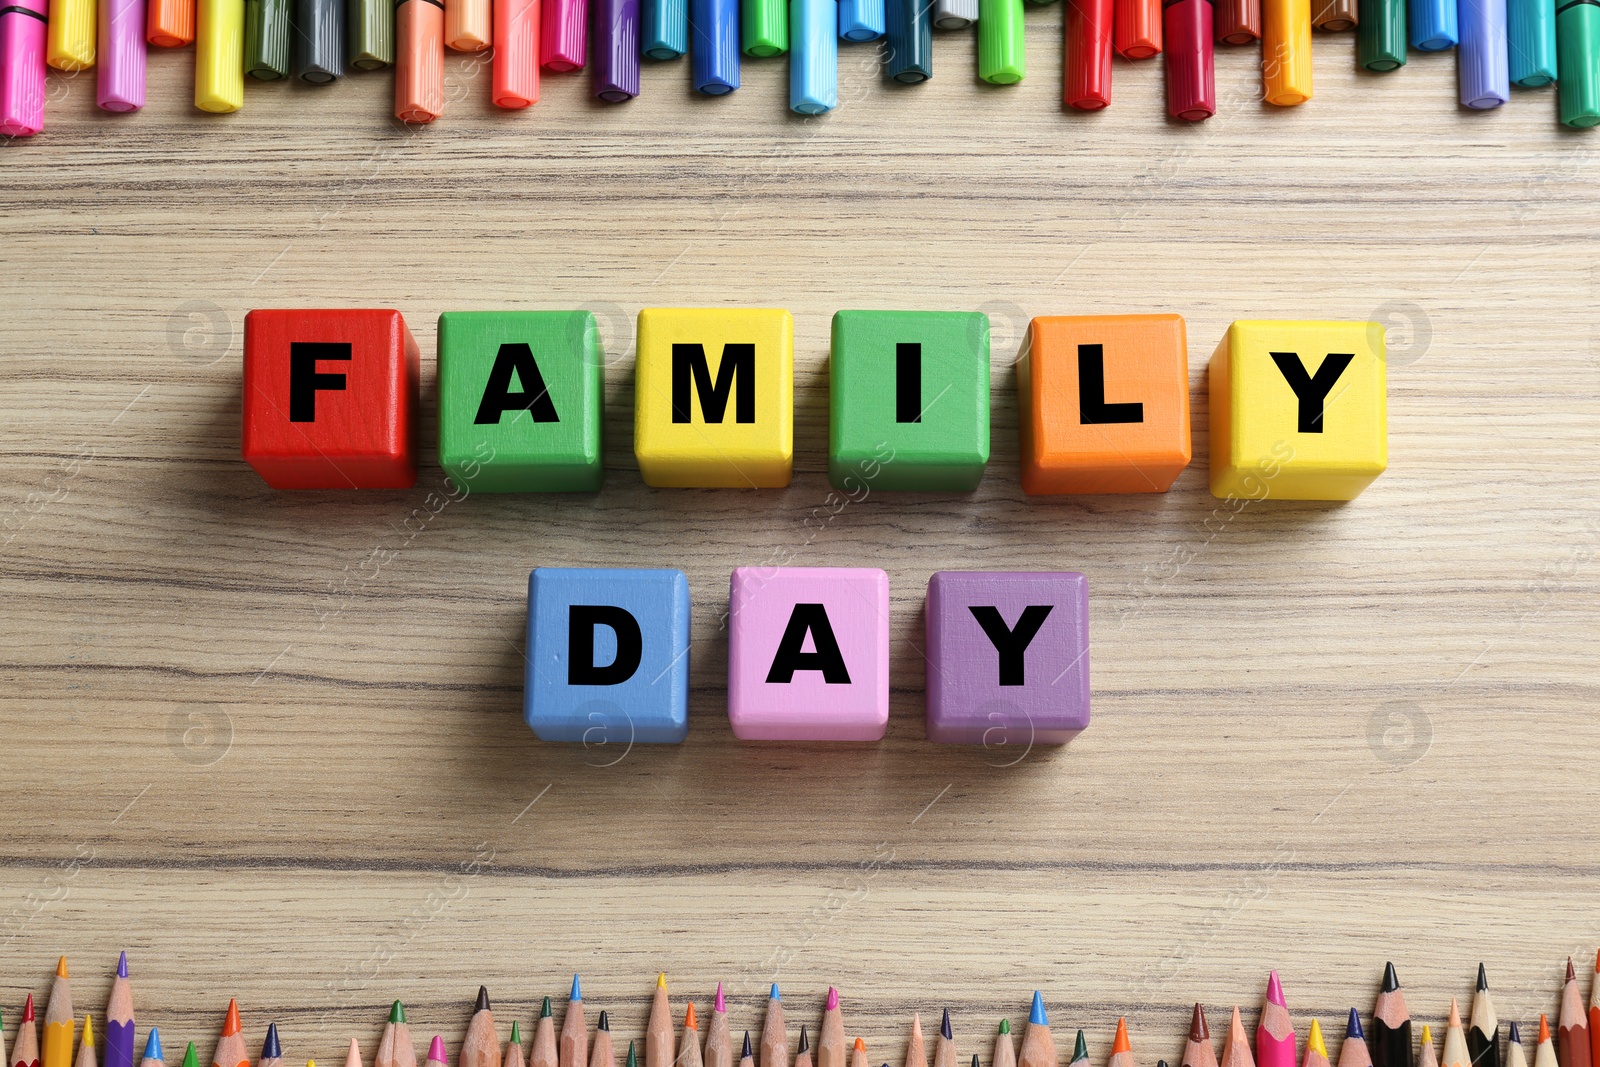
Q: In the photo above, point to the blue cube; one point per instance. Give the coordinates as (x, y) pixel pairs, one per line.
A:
(608, 656)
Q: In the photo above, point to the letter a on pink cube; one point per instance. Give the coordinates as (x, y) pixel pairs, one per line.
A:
(808, 653)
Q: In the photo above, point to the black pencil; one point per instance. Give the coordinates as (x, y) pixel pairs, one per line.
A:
(1483, 1035)
(1391, 1025)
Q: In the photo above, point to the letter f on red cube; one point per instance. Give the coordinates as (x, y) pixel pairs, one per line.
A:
(330, 399)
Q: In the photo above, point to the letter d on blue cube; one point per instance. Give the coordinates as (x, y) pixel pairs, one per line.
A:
(608, 656)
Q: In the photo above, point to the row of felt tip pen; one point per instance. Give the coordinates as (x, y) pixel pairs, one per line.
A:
(1529, 43)
(1476, 1044)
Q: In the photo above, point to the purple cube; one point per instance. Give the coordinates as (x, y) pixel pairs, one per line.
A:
(1008, 657)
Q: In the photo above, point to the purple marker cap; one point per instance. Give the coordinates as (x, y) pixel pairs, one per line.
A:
(616, 50)
(119, 83)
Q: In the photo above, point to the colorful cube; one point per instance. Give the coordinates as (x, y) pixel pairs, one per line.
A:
(1104, 404)
(520, 396)
(1008, 658)
(1299, 410)
(330, 399)
(808, 654)
(608, 656)
(908, 400)
(714, 398)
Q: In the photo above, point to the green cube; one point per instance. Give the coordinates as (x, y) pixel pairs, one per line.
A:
(908, 400)
(520, 400)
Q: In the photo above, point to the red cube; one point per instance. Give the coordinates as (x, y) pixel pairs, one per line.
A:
(330, 399)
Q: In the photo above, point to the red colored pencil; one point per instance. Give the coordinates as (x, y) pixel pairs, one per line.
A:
(1573, 1042)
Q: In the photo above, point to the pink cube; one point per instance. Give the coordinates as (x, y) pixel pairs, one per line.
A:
(808, 653)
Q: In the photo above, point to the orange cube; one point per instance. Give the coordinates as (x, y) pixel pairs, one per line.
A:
(1104, 404)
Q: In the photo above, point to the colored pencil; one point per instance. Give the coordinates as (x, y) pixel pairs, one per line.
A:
(1433, 24)
(747, 1057)
(1391, 1022)
(1080, 1052)
(466, 25)
(573, 1048)
(119, 1038)
(1136, 28)
(858, 1054)
(394, 1044)
(1121, 1047)
(230, 1050)
(319, 41)
(563, 37)
(481, 1046)
(25, 1050)
(1483, 1035)
(271, 1051)
(436, 1053)
(909, 57)
(862, 20)
(1190, 59)
(513, 1056)
(352, 1056)
(774, 1045)
(86, 1056)
(1353, 1051)
(1334, 16)
(944, 1046)
(1483, 72)
(169, 23)
(831, 1048)
(190, 1057)
(616, 50)
(1197, 1050)
(1236, 1047)
(664, 29)
(1316, 1049)
(813, 56)
(544, 1052)
(1426, 1057)
(689, 1044)
(58, 1021)
(120, 45)
(1574, 1023)
(1286, 67)
(1455, 1040)
(1594, 1014)
(1515, 1057)
(1002, 44)
(23, 28)
(1038, 1044)
(1238, 21)
(658, 1036)
(1087, 81)
(601, 1053)
(633, 1056)
(268, 27)
(70, 37)
(369, 34)
(1544, 1054)
(1005, 1050)
(1578, 64)
(764, 27)
(219, 55)
(719, 1041)
(1274, 1032)
(153, 1056)
(802, 1052)
(1531, 44)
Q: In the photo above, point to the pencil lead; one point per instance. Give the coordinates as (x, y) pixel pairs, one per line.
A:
(516, 1033)
(721, 1003)
(1314, 1040)
(1516, 1034)
(88, 1031)
(1483, 979)
(61, 967)
(1275, 990)
(944, 1026)
(122, 965)
(1080, 1048)
(270, 1049)
(633, 1057)
(483, 999)
(688, 1018)
(1005, 1026)
(774, 994)
(544, 1009)
(1455, 1014)
(746, 1054)
(27, 1010)
(436, 1051)
(152, 1045)
(577, 990)
(191, 1058)
(1544, 1028)
(1571, 974)
(860, 1045)
(974, 1059)
(805, 1042)
(1197, 1024)
(833, 1000)
(604, 1023)
(1427, 1035)
(1353, 1027)
(1120, 1042)
(397, 1012)
(1036, 1015)
(661, 980)
(1391, 981)
(230, 1024)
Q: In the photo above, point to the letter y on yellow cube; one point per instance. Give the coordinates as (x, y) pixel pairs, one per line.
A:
(714, 398)
(1299, 410)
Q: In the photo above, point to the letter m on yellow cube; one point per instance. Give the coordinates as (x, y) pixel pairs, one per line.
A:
(714, 398)
(1298, 410)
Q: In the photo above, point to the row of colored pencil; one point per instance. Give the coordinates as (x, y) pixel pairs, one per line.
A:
(1529, 43)
(1575, 1043)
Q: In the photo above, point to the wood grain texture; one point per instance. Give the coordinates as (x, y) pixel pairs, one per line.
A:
(270, 742)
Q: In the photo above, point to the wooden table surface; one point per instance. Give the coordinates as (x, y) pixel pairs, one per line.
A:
(271, 743)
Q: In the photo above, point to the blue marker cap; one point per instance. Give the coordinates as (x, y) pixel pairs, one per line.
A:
(714, 46)
(1483, 72)
(152, 1045)
(270, 1049)
(1433, 24)
(664, 29)
(813, 56)
(862, 20)
(1036, 1016)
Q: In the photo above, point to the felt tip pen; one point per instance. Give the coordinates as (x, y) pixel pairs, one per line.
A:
(1531, 29)
(909, 56)
(268, 27)
(1578, 62)
(764, 27)
(169, 23)
(1237, 21)
(1136, 28)
(1381, 35)
(1002, 46)
(369, 34)
(616, 50)
(515, 78)
(1333, 16)
(813, 56)
(466, 25)
(319, 41)
(418, 60)
(861, 20)
(1190, 59)
(955, 14)
(563, 35)
(664, 29)
(1483, 72)
(714, 46)
(22, 67)
(1087, 84)
(70, 37)
(119, 81)
(219, 55)
(1433, 24)
(1286, 51)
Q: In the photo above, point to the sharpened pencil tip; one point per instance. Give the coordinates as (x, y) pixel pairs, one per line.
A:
(1483, 979)
(1544, 1028)
(122, 965)
(544, 1009)
(746, 1054)
(436, 1051)
(577, 989)
(61, 967)
(860, 1045)
(805, 1041)
(633, 1056)
(944, 1026)
(516, 1033)
(1080, 1049)
(152, 1045)
(689, 1022)
(833, 1000)
(661, 980)
(1571, 974)
(1391, 981)
(270, 1049)
(604, 1023)
(774, 995)
(1005, 1026)
(1275, 990)
(483, 999)
(721, 1003)
(230, 1024)
(1036, 1015)
(1516, 1034)
(1197, 1024)
(397, 1012)
(1353, 1027)
(1120, 1042)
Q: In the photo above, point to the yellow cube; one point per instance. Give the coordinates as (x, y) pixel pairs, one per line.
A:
(1299, 410)
(714, 398)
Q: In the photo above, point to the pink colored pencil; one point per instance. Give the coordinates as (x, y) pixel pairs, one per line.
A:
(1274, 1033)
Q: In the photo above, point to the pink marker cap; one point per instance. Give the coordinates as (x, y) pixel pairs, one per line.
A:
(22, 30)
(120, 59)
